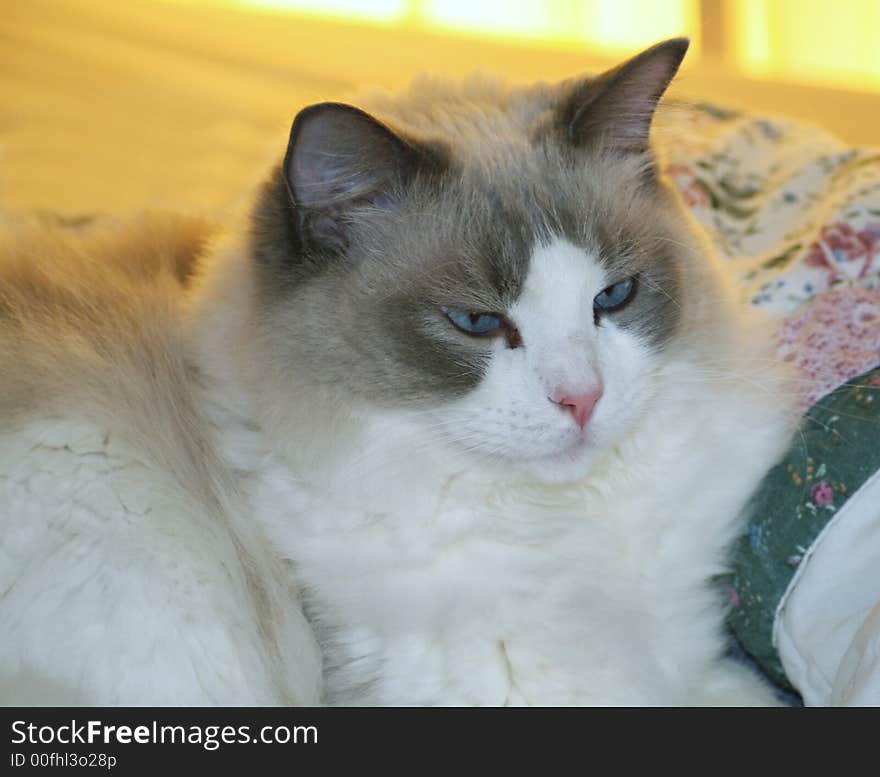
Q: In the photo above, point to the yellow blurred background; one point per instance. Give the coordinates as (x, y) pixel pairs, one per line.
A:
(808, 41)
(111, 106)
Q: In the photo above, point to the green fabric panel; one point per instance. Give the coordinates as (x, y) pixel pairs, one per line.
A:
(836, 451)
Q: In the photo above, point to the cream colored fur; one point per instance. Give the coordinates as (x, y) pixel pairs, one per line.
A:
(123, 532)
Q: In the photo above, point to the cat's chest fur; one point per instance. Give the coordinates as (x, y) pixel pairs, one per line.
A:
(428, 584)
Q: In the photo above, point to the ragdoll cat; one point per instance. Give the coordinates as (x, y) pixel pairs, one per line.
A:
(473, 390)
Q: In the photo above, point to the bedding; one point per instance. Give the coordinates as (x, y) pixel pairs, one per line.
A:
(796, 216)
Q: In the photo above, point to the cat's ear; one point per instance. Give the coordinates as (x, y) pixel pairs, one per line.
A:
(340, 158)
(615, 109)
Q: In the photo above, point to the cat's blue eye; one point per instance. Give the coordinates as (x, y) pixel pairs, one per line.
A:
(615, 296)
(474, 323)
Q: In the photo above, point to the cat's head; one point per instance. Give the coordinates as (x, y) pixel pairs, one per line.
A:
(501, 265)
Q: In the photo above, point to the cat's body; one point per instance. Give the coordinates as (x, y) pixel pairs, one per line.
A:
(130, 569)
(479, 393)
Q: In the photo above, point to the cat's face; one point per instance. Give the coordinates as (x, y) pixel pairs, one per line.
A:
(582, 374)
(508, 280)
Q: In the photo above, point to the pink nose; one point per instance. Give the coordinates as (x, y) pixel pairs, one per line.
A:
(580, 405)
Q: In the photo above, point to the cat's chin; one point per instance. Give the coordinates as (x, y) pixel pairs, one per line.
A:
(568, 466)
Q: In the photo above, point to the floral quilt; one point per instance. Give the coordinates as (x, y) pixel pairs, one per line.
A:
(796, 216)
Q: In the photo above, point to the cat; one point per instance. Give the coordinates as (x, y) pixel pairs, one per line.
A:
(467, 416)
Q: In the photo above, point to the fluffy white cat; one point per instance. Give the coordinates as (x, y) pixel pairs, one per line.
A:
(469, 417)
